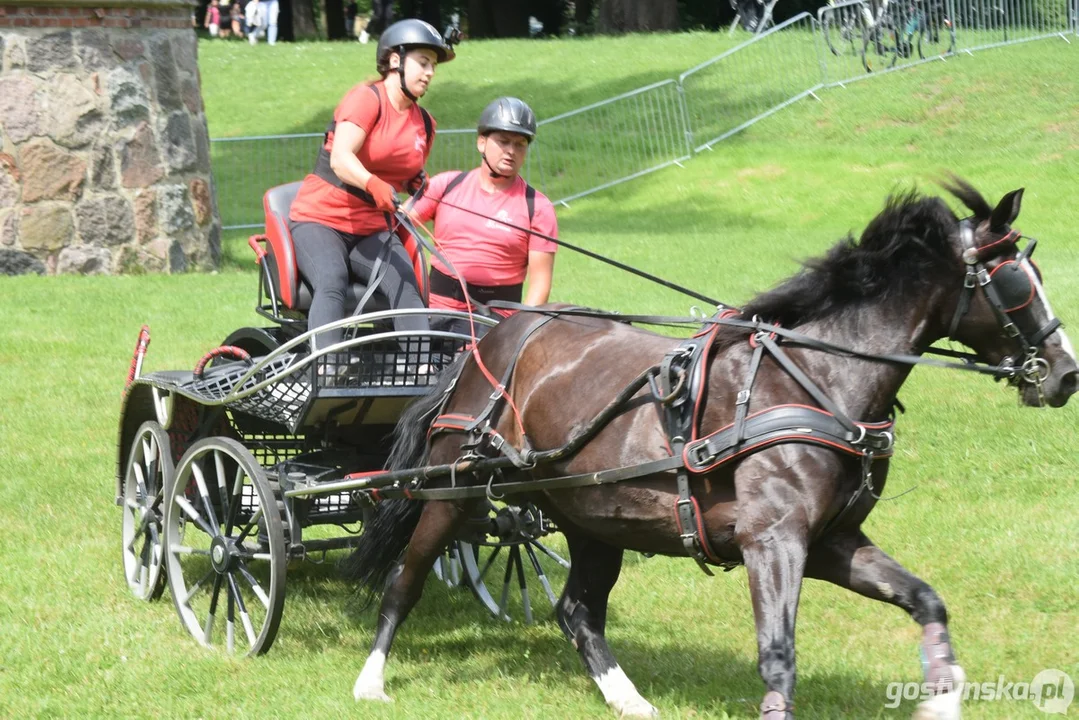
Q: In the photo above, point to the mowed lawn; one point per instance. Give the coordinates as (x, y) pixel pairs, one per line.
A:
(992, 523)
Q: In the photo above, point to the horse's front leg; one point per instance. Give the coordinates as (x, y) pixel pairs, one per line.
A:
(851, 560)
(582, 615)
(772, 535)
(404, 586)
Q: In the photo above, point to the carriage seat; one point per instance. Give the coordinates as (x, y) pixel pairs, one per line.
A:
(291, 289)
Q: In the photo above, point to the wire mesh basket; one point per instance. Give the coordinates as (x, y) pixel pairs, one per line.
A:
(409, 361)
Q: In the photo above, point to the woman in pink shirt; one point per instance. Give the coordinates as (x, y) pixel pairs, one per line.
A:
(490, 246)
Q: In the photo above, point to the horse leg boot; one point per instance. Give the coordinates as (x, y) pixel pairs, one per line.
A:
(404, 586)
(851, 560)
(582, 615)
(775, 559)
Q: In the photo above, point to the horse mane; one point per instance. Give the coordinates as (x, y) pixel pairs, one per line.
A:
(906, 247)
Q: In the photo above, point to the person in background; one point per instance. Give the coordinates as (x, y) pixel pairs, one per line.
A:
(375, 147)
(213, 19)
(254, 19)
(381, 17)
(225, 18)
(351, 11)
(483, 218)
(237, 15)
(270, 10)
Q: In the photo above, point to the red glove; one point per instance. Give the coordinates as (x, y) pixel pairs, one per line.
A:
(383, 194)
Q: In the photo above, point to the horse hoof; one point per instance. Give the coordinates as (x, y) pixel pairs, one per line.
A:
(946, 706)
(371, 694)
(774, 707)
(639, 708)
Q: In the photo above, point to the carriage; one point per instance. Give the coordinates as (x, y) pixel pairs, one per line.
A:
(761, 440)
(229, 474)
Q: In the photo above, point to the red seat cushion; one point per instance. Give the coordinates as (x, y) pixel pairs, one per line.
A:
(293, 290)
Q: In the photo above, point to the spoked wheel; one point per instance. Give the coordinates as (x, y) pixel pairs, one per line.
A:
(225, 548)
(936, 37)
(513, 555)
(879, 49)
(149, 472)
(842, 30)
(448, 567)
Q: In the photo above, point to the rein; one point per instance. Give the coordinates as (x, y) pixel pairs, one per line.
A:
(969, 360)
(588, 253)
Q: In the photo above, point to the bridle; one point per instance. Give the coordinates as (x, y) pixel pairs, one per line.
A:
(1010, 289)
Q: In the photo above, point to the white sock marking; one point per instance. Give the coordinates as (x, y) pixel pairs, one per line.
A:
(371, 683)
(620, 693)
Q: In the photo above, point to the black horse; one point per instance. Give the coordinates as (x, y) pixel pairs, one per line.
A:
(786, 511)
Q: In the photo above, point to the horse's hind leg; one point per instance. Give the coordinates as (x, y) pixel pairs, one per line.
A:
(404, 586)
(582, 614)
(851, 560)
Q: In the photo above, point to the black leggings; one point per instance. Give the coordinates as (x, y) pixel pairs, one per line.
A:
(329, 258)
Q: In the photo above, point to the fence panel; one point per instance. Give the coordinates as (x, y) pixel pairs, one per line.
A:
(618, 139)
(982, 24)
(747, 83)
(245, 167)
(632, 134)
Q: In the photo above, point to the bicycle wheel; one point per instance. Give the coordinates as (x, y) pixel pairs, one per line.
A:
(841, 31)
(936, 34)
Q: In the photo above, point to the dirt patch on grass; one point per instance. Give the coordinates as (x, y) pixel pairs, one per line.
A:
(768, 172)
(947, 107)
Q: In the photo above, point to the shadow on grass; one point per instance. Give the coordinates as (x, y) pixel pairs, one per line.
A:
(449, 630)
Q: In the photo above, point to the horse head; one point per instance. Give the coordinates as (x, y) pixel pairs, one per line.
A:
(1002, 311)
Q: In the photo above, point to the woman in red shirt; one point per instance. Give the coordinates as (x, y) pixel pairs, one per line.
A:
(492, 223)
(375, 147)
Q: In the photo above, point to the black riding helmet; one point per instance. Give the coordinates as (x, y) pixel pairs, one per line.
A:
(406, 35)
(508, 114)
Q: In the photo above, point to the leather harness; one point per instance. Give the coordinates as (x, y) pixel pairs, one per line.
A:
(677, 384)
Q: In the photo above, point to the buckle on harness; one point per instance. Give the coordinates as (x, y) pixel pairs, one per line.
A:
(743, 397)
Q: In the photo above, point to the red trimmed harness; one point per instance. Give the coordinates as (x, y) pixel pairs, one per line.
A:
(678, 384)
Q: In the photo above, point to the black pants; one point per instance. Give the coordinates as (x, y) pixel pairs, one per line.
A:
(459, 325)
(328, 259)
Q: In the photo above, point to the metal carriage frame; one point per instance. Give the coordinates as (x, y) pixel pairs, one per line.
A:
(209, 460)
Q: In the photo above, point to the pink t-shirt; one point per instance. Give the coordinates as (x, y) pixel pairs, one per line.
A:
(485, 252)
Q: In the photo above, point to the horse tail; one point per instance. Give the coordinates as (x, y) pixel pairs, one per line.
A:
(388, 531)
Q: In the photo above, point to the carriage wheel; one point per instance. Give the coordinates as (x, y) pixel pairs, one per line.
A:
(512, 556)
(149, 472)
(225, 548)
(448, 567)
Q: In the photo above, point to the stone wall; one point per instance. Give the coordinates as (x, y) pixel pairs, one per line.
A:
(104, 152)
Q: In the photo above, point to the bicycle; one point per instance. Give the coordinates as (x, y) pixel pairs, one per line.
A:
(929, 23)
(849, 28)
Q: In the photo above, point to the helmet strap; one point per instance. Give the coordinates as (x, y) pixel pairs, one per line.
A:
(401, 72)
(493, 173)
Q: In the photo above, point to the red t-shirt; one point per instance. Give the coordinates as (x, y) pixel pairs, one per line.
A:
(485, 252)
(395, 150)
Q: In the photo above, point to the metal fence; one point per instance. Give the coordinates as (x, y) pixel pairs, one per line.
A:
(621, 138)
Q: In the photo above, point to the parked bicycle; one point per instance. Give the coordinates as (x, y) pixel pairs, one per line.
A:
(893, 29)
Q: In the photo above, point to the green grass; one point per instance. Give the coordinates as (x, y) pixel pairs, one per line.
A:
(993, 524)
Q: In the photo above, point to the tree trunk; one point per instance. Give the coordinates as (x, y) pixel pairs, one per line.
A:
(335, 20)
(497, 18)
(619, 16)
(297, 20)
(428, 10)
